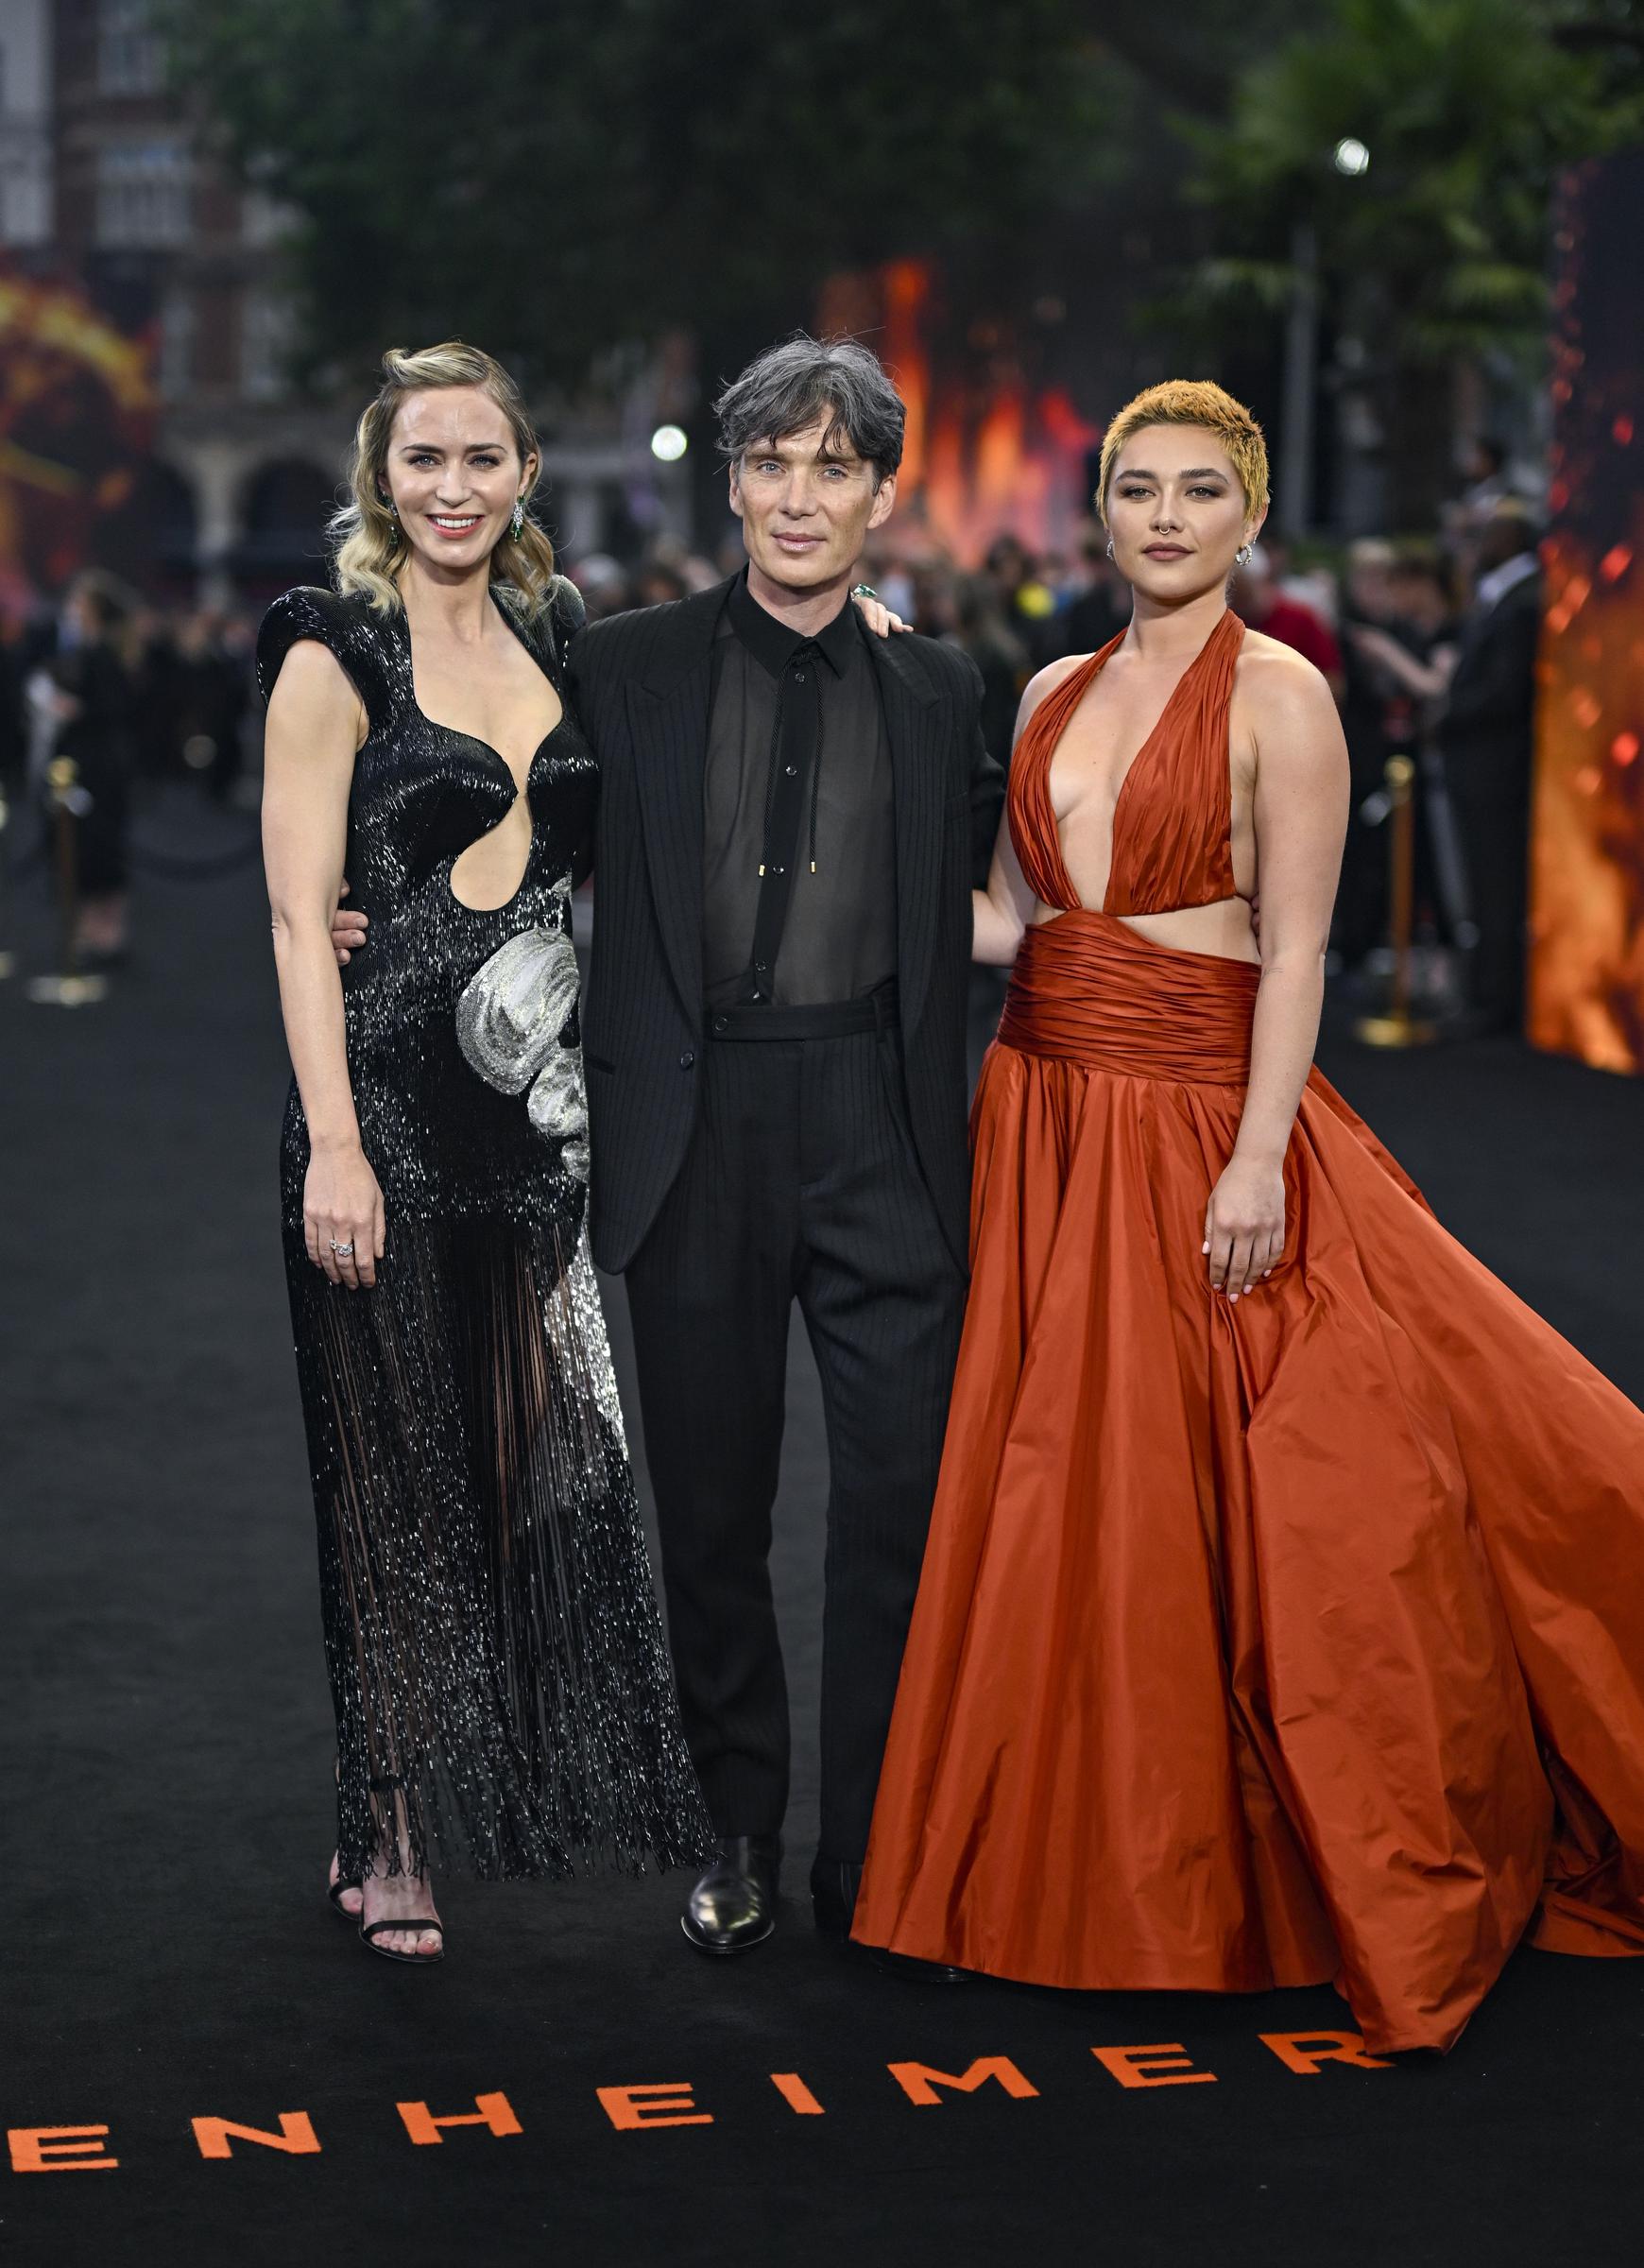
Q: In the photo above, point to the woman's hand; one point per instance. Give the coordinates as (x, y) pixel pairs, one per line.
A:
(877, 615)
(1244, 1227)
(342, 1216)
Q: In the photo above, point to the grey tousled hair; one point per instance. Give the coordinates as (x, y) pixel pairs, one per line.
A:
(788, 387)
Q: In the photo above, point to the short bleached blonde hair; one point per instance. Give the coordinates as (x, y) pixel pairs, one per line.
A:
(1192, 402)
(370, 547)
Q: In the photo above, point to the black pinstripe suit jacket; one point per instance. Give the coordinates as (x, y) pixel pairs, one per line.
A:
(641, 684)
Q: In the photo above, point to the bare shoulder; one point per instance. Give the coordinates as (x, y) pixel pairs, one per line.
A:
(1286, 701)
(1044, 682)
(314, 693)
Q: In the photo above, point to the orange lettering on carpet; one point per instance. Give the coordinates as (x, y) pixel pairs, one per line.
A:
(667, 2104)
(1165, 2066)
(919, 2083)
(296, 2136)
(494, 2111)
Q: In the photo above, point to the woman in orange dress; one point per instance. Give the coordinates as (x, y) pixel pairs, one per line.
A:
(1283, 1614)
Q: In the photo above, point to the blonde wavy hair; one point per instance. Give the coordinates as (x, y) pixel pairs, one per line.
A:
(1192, 402)
(370, 549)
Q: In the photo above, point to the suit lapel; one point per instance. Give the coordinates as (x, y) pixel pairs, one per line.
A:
(668, 719)
(912, 719)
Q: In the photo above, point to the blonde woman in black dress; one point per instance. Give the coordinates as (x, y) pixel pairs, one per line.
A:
(502, 1690)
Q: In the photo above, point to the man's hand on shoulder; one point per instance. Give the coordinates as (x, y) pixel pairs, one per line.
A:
(348, 929)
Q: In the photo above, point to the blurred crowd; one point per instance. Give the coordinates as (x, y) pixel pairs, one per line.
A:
(1429, 647)
(103, 695)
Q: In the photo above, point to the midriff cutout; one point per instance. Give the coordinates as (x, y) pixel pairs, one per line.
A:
(490, 871)
(1222, 930)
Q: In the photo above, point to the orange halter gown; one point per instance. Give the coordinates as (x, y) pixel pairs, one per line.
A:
(1269, 1644)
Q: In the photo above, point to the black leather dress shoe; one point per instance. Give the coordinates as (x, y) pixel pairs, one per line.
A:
(834, 1883)
(734, 1904)
(909, 1971)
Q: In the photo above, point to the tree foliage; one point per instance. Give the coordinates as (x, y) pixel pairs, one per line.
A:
(1468, 107)
(555, 180)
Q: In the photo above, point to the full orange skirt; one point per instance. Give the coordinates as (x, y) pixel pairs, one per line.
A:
(1257, 1644)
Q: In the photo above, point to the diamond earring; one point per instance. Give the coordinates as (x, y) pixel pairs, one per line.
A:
(1244, 553)
(1110, 547)
(518, 521)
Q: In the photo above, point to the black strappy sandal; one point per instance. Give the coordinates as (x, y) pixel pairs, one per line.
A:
(370, 1932)
(334, 1893)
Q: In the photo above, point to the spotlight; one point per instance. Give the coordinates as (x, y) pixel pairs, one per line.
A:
(1352, 157)
(669, 443)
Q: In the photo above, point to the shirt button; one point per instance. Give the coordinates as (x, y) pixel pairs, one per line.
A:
(778, 870)
(686, 1061)
(719, 1021)
(798, 677)
(791, 770)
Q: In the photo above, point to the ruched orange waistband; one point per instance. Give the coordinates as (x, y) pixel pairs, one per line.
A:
(1087, 989)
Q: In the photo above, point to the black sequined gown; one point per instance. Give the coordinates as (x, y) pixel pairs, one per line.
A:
(496, 1655)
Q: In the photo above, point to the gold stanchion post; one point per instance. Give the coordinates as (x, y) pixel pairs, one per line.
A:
(1398, 1027)
(69, 988)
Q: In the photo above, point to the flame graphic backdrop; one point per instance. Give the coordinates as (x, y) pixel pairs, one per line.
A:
(1586, 969)
(989, 448)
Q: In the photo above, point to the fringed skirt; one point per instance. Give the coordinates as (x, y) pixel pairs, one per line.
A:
(503, 1690)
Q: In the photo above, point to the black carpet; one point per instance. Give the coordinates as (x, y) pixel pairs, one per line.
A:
(167, 1953)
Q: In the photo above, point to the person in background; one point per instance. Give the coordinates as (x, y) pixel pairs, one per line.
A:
(1486, 741)
(1255, 598)
(1366, 603)
(603, 586)
(213, 693)
(89, 695)
(1102, 608)
(1027, 603)
(1489, 485)
(999, 653)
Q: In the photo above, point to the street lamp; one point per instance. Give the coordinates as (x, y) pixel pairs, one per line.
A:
(1351, 159)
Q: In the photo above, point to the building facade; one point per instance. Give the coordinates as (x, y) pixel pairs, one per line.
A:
(108, 182)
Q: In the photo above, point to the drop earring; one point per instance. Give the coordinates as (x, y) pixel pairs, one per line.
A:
(518, 521)
(1110, 547)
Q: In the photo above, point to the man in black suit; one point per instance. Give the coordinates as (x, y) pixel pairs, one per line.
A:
(792, 815)
(1487, 737)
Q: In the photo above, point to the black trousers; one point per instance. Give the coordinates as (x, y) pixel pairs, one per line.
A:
(800, 1183)
(1495, 836)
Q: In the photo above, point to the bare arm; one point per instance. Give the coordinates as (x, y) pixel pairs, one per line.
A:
(1301, 820)
(1002, 911)
(1423, 678)
(316, 724)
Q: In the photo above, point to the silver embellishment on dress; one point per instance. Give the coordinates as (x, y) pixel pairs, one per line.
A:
(510, 1021)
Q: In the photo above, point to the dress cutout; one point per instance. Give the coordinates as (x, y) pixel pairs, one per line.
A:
(496, 1655)
(1294, 1641)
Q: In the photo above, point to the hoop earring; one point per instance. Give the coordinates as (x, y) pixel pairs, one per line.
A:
(518, 521)
(1244, 553)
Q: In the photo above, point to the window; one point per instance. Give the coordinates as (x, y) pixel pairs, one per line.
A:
(143, 192)
(130, 60)
(174, 373)
(264, 342)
